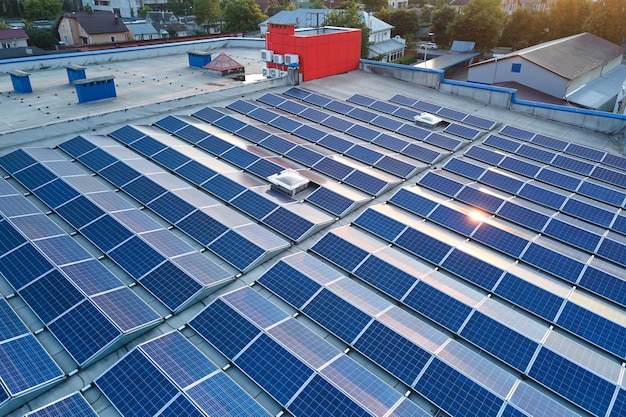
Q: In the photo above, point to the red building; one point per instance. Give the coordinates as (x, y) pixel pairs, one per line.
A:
(321, 51)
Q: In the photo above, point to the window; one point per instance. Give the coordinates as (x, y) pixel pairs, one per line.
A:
(112, 38)
(516, 67)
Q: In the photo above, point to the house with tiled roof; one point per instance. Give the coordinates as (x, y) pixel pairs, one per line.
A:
(13, 38)
(92, 27)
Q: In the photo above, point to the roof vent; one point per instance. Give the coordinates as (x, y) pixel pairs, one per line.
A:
(288, 182)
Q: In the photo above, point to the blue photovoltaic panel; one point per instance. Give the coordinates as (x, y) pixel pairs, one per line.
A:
(264, 168)
(285, 123)
(195, 172)
(396, 167)
(363, 154)
(361, 114)
(136, 387)
(549, 142)
(479, 122)
(499, 340)
(464, 168)
(202, 227)
(80, 211)
(453, 220)
(171, 207)
(504, 144)
(271, 366)
(337, 315)
(16, 160)
(363, 132)
(611, 176)
(384, 276)
(314, 401)
(223, 187)
(438, 306)
(74, 405)
(62, 249)
(338, 106)
(11, 237)
(619, 407)
(119, 173)
(619, 224)
(408, 359)
(181, 406)
(271, 99)
(594, 328)
(501, 181)
(472, 269)
(229, 123)
(33, 226)
(605, 284)
(34, 176)
(421, 153)
(253, 134)
(571, 164)
(171, 124)
(144, 189)
(522, 215)
(304, 155)
(613, 250)
(242, 106)
(616, 161)
(254, 204)
(291, 106)
(239, 157)
(542, 196)
(406, 114)
(91, 277)
(404, 100)
(224, 328)
(335, 143)
(136, 257)
(585, 152)
(536, 153)
(343, 253)
(529, 296)
(314, 115)
(288, 223)
(277, 144)
(361, 99)
(297, 93)
(289, 284)
(599, 192)
(558, 179)
(384, 107)
(451, 114)
(333, 168)
(560, 265)
(309, 133)
(580, 386)
(390, 142)
(440, 183)
(414, 132)
(379, 224)
(455, 393)
(520, 166)
(79, 145)
(126, 309)
(366, 182)
(127, 135)
(51, 295)
(588, 212)
(84, 331)
(236, 250)
(480, 199)
(10, 324)
(423, 245)
(500, 239)
(208, 114)
(170, 158)
(576, 236)
(464, 132)
(22, 265)
(331, 201)
(220, 396)
(485, 155)
(517, 133)
(148, 146)
(192, 134)
(263, 115)
(426, 106)
(387, 123)
(56, 193)
(25, 364)
(215, 145)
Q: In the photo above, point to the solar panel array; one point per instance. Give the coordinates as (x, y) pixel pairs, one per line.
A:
(73, 405)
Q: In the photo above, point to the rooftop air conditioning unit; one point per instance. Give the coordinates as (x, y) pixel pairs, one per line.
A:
(288, 182)
(267, 55)
(266, 72)
(291, 59)
(278, 59)
(282, 74)
(274, 73)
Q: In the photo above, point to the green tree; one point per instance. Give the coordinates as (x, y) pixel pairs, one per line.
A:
(441, 18)
(42, 9)
(318, 4)
(480, 21)
(143, 12)
(606, 19)
(242, 16)
(180, 7)
(42, 38)
(350, 18)
(4, 25)
(374, 5)
(206, 11)
(567, 17)
(524, 27)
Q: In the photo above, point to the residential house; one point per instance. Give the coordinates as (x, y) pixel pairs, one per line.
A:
(382, 44)
(13, 38)
(144, 31)
(92, 27)
(166, 22)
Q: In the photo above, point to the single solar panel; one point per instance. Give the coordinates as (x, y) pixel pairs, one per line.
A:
(426, 106)
(437, 306)
(277, 144)
(501, 143)
(309, 133)
(288, 223)
(79, 145)
(127, 135)
(285, 123)
(202, 227)
(223, 187)
(452, 114)
(361, 114)
(339, 124)
(252, 133)
(335, 143)
(126, 309)
(479, 122)
(443, 141)
(171, 207)
(148, 146)
(480, 199)
(517, 133)
(314, 115)
(548, 142)
(170, 124)
(465, 168)
(242, 106)
(404, 100)
(271, 99)
(340, 252)
(239, 157)
(304, 155)
(500, 239)
(171, 285)
(386, 123)
(288, 283)
(472, 269)
(574, 165)
(264, 168)
(339, 107)
(551, 261)
(396, 167)
(73, 405)
(331, 201)
(363, 154)
(361, 99)
(386, 277)
(530, 297)
(229, 123)
(106, 233)
(390, 142)
(414, 132)
(440, 183)
(536, 153)
(291, 107)
(366, 182)
(237, 250)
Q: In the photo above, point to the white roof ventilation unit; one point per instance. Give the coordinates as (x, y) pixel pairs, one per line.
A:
(274, 73)
(288, 182)
(291, 59)
(277, 59)
(428, 119)
(266, 72)
(267, 55)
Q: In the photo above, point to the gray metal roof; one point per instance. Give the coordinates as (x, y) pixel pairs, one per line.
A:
(601, 90)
